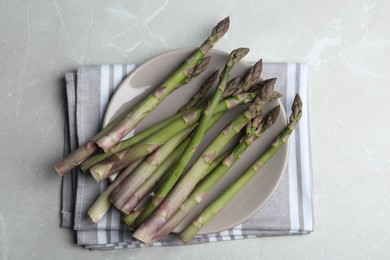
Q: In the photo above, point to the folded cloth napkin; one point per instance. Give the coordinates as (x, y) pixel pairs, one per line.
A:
(289, 210)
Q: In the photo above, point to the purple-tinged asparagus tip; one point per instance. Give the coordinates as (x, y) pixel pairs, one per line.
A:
(271, 117)
(201, 66)
(232, 87)
(222, 27)
(237, 54)
(275, 95)
(256, 70)
(297, 107)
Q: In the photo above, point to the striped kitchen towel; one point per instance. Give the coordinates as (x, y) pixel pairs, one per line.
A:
(289, 210)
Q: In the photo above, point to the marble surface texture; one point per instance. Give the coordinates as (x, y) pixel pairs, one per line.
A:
(345, 43)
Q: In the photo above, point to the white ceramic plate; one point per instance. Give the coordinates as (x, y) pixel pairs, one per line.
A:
(253, 196)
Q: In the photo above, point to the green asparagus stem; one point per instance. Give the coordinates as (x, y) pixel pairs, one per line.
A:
(234, 188)
(204, 88)
(103, 202)
(148, 185)
(122, 159)
(80, 154)
(113, 136)
(130, 218)
(87, 164)
(262, 99)
(179, 193)
(223, 106)
(118, 128)
(253, 132)
(120, 195)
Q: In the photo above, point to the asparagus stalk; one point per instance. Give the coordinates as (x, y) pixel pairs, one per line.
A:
(204, 88)
(120, 195)
(130, 218)
(223, 106)
(80, 154)
(148, 185)
(122, 159)
(206, 85)
(119, 127)
(189, 232)
(113, 136)
(254, 131)
(176, 197)
(163, 191)
(103, 202)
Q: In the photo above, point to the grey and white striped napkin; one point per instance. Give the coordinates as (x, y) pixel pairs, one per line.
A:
(289, 211)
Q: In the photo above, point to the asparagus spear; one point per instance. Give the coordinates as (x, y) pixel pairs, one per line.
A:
(252, 75)
(80, 154)
(120, 195)
(176, 197)
(232, 86)
(148, 185)
(125, 157)
(130, 218)
(147, 168)
(254, 131)
(103, 202)
(261, 99)
(113, 136)
(234, 188)
(118, 128)
(204, 88)
(222, 107)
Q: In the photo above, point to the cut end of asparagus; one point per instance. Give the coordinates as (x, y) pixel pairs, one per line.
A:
(96, 214)
(75, 158)
(58, 169)
(99, 172)
(222, 27)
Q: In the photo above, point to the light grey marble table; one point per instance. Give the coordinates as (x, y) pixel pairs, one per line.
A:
(345, 43)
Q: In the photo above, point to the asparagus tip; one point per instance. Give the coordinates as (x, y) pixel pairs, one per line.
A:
(275, 95)
(238, 54)
(257, 69)
(200, 67)
(271, 117)
(297, 107)
(232, 87)
(222, 27)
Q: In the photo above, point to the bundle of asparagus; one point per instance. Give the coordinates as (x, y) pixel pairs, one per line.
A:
(122, 125)
(154, 188)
